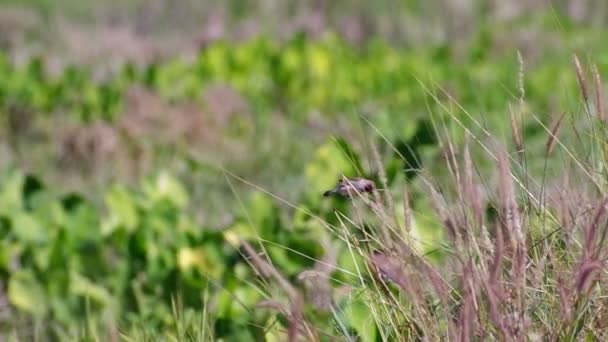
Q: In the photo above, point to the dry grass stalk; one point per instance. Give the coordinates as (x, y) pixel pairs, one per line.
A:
(295, 320)
(591, 248)
(494, 298)
(521, 77)
(516, 133)
(438, 284)
(587, 275)
(439, 206)
(407, 210)
(553, 134)
(580, 76)
(469, 188)
(466, 317)
(450, 158)
(296, 323)
(565, 299)
(507, 196)
(499, 252)
(599, 94)
(316, 281)
(514, 225)
(260, 265)
(273, 305)
(382, 175)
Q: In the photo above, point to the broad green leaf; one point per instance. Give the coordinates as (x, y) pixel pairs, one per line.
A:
(359, 316)
(192, 258)
(9, 251)
(27, 229)
(26, 293)
(166, 187)
(262, 214)
(81, 286)
(11, 193)
(122, 210)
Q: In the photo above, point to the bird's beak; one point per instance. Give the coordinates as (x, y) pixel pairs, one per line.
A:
(329, 192)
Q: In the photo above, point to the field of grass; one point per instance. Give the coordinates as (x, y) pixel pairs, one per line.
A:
(166, 183)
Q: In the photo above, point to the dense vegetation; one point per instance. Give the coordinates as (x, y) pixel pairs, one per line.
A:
(198, 213)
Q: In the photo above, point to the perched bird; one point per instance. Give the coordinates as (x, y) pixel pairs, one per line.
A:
(350, 187)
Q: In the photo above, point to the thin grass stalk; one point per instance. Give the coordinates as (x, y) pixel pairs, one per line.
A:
(469, 188)
(580, 76)
(554, 132)
(516, 134)
(599, 93)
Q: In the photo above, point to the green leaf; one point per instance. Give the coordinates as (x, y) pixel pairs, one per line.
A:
(263, 214)
(11, 194)
(122, 210)
(9, 250)
(27, 229)
(166, 187)
(359, 316)
(350, 155)
(329, 164)
(81, 286)
(26, 293)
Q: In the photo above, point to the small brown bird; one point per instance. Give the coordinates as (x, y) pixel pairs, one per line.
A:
(350, 187)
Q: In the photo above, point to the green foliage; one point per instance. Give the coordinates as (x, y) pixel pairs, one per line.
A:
(298, 76)
(63, 259)
(62, 256)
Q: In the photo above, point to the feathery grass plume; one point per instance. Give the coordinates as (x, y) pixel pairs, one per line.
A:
(565, 299)
(439, 206)
(553, 134)
(586, 275)
(296, 321)
(466, 317)
(273, 305)
(513, 221)
(516, 133)
(377, 204)
(564, 215)
(494, 298)
(318, 289)
(518, 267)
(391, 268)
(495, 269)
(494, 289)
(469, 188)
(316, 281)
(599, 93)
(510, 209)
(407, 211)
(591, 249)
(440, 287)
(520, 78)
(260, 265)
(450, 158)
(382, 175)
(580, 76)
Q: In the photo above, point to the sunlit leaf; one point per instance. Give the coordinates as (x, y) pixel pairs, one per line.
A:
(122, 210)
(26, 293)
(27, 229)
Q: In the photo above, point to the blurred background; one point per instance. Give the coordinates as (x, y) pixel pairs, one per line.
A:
(138, 137)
